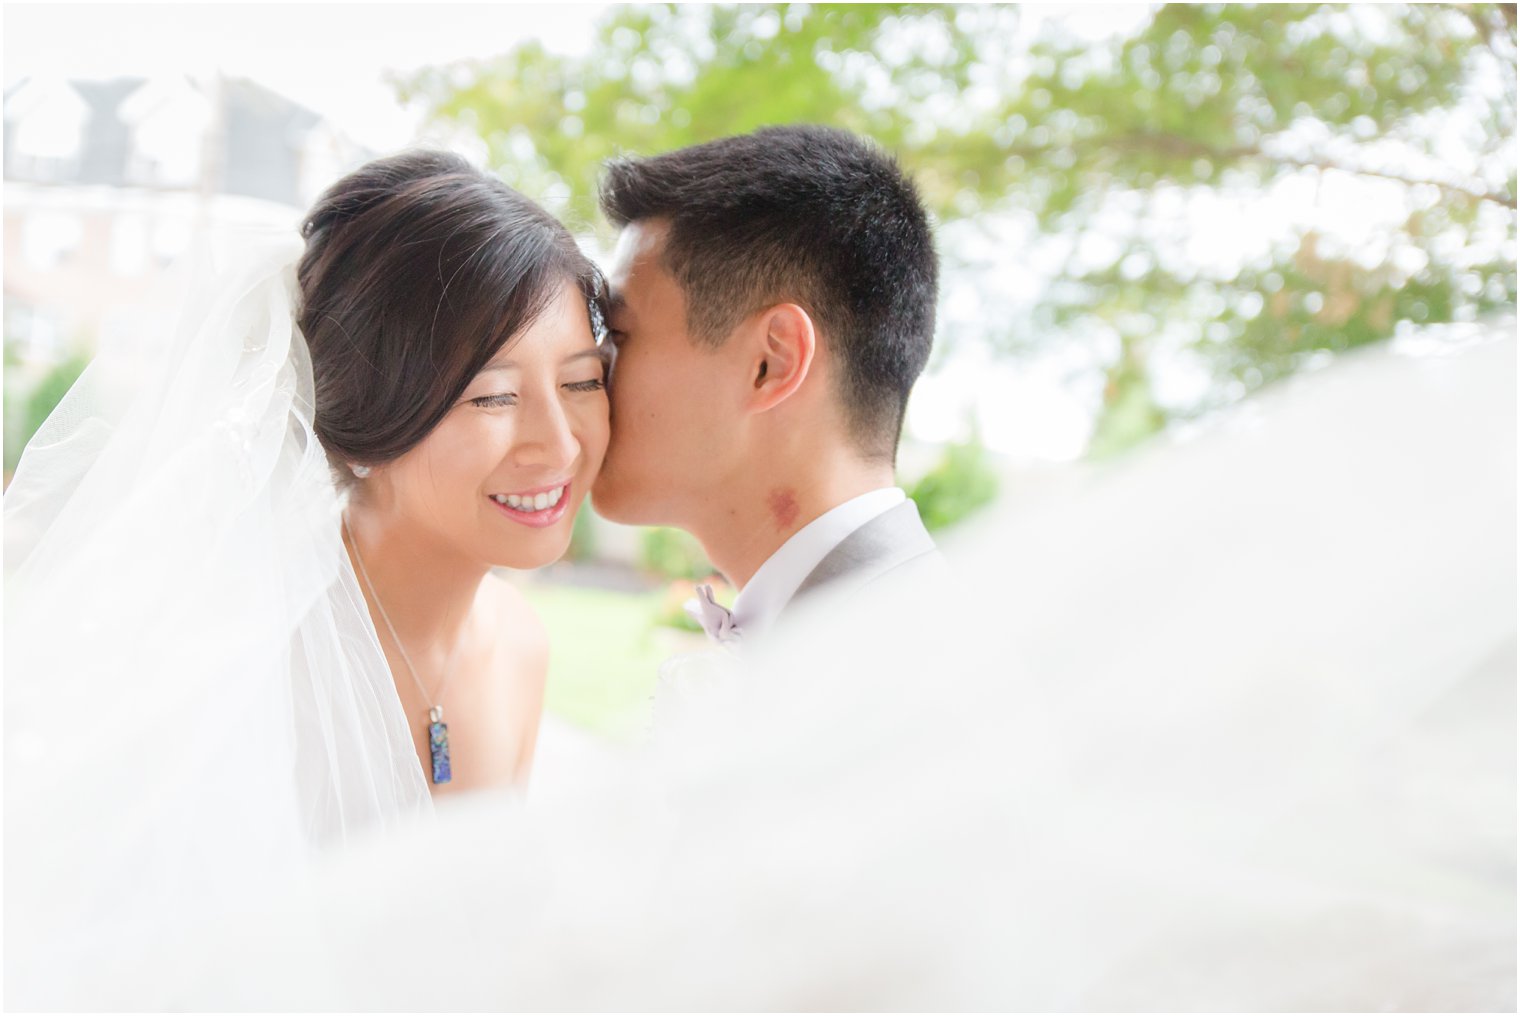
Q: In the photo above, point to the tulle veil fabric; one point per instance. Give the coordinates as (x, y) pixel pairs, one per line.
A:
(195, 695)
(1228, 727)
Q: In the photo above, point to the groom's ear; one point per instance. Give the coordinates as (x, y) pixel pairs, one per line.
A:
(783, 356)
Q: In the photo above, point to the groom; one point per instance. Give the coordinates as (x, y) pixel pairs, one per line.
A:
(772, 305)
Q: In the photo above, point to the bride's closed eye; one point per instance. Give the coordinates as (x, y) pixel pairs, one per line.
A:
(510, 398)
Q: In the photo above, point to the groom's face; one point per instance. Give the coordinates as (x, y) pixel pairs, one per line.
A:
(673, 416)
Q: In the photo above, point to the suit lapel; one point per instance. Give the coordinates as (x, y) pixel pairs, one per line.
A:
(888, 541)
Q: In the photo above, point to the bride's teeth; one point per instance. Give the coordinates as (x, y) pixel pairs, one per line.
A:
(531, 502)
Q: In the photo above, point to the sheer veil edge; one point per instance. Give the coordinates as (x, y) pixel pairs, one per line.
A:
(195, 694)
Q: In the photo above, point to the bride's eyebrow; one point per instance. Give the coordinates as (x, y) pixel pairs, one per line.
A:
(594, 353)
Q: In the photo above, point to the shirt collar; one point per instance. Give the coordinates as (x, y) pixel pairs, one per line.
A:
(778, 579)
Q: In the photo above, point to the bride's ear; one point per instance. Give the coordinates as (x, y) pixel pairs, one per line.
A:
(788, 343)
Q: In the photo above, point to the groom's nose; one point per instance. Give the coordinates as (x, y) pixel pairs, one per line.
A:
(545, 437)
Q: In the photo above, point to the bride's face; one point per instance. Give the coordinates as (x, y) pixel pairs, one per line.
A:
(501, 477)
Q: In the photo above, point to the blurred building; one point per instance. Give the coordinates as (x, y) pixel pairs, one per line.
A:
(110, 185)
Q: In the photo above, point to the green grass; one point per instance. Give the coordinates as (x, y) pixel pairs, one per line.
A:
(604, 654)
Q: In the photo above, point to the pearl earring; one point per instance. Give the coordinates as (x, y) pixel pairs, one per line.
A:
(360, 471)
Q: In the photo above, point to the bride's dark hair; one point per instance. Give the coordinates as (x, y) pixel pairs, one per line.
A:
(418, 268)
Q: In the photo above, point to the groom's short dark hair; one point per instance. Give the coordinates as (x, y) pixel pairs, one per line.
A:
(806, 214)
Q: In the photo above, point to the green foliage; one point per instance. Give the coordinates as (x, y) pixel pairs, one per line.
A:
(960, 483)
(672, 614)
(659, 77)
(677, 557)
(1100, 153)
(603, 683)
(672, 610)
(673, 554)
(582, 535)
(1129, 414)
(37, 405)
(14, 411)
(1210, 100)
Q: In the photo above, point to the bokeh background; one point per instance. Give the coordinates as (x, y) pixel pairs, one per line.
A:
(1146, 214)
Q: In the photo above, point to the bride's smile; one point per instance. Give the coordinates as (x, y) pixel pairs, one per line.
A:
(535, 508)
(520, 446)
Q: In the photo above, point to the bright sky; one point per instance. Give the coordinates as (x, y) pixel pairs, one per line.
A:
(329, 57)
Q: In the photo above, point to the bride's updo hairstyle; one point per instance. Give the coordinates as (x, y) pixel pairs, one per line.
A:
(418, 268)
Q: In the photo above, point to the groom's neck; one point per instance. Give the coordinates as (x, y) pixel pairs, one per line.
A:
(751, 522)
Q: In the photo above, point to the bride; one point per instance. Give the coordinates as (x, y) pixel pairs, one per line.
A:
(458, 379)
(249, 604)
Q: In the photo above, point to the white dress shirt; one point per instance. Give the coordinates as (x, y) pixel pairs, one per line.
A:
(778, 579)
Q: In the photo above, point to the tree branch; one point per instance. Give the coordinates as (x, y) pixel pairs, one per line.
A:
(1479, 17)
(1171, 144)
(1496, 197)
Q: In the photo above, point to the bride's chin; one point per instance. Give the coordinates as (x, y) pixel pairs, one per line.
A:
(528, 554)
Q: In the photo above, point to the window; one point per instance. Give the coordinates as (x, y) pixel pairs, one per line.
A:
(170, 239)
(31, 334)
(49, 238)
(169, 121)
(48, 120)
(129, 244)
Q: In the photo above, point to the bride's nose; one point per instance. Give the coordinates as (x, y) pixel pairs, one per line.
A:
(545, 437)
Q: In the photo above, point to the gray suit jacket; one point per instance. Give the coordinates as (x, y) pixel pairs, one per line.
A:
(893, 545)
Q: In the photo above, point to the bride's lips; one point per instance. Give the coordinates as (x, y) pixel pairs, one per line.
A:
(537, 520)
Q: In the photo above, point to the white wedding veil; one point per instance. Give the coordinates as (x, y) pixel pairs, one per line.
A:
(1226, 727)
(1229, 726)
(195, 697)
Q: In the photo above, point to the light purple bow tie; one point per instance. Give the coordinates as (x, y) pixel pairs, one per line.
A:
(715, 619)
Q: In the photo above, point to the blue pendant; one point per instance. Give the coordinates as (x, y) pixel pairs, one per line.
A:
(438, 744)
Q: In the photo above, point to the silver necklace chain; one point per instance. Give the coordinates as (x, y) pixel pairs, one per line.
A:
(435, 707)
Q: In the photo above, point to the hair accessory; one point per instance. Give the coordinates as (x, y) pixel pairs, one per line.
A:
(598, 319)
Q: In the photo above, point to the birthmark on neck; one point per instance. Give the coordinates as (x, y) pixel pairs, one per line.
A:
(783, 507)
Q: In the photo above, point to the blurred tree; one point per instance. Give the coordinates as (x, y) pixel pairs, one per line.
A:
(14, 414)
(673, 554)
(960, 483)
(1092, 162)
(677, 557)
(582, 536)
(32, 407)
